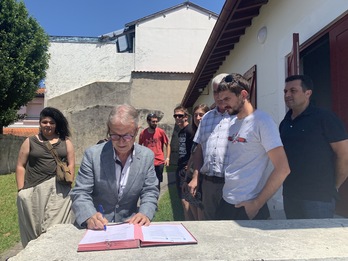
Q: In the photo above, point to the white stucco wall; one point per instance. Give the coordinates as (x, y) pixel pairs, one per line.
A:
(282, 18)
(206, 96)
(76, 64)
(173, 42)
(170, 43)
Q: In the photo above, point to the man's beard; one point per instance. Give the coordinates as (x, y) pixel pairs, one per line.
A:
(234, 112)
(237, 110)
(152, 127)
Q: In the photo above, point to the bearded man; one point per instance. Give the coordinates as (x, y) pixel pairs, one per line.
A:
(155, 138)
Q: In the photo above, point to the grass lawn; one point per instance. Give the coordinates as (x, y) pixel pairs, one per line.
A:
(169, 209)
(9, 231)
(169, 206)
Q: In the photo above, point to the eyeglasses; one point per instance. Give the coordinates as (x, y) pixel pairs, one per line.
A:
(117, 137)
(178, 116)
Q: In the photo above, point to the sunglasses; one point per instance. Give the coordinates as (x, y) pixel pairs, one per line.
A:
(229, 79)
(178, 116)
(117, 137)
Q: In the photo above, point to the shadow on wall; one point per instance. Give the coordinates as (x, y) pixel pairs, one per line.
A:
(88, 126)
(9, 148)
(88, 107)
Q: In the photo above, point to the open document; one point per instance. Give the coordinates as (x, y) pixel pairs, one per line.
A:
(126, 235)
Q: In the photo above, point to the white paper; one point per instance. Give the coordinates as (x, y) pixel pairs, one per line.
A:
(113, 233)
(166, 233)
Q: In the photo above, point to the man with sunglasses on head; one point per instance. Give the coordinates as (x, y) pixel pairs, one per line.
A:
(210, 155)
(253, 143)
(115, 175)
(155, 138)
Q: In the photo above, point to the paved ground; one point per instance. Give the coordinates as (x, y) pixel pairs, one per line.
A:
(12, 252)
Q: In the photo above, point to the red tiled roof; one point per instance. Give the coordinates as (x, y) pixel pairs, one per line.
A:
(41, 91)
(24, 132)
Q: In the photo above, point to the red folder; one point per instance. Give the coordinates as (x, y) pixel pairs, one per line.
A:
(124, 236)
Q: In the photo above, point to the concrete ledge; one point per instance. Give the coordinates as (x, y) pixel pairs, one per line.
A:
(217, 240)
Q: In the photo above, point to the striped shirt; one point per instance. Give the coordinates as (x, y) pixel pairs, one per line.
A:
(212, 135)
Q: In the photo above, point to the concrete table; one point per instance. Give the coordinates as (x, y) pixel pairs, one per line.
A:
(324, 239)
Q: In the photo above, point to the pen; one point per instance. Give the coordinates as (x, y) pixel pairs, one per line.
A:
(101, 210)
(118, 223)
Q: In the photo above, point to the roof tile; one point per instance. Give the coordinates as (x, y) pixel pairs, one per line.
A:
(23, 132)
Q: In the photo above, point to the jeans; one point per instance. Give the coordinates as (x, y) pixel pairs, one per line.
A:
(304, 209)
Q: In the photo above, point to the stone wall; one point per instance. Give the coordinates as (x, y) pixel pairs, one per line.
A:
(9, 148)
(88, 107)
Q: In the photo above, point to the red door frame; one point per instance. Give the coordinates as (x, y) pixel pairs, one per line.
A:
(339, 79)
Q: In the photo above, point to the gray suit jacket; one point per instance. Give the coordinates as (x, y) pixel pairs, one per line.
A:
(96, 185)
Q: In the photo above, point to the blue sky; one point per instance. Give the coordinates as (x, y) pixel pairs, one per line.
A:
(97, 17)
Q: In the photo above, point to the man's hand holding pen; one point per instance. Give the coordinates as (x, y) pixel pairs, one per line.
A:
(97, 221)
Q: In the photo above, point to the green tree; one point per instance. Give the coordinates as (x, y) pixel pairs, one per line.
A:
(23, 59)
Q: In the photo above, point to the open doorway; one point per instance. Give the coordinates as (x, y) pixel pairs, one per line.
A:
(324, 58)
(315, 62)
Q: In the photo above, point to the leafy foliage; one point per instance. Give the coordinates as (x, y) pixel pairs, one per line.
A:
(23, 58)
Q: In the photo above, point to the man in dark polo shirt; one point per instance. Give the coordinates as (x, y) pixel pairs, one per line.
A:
(316, 144)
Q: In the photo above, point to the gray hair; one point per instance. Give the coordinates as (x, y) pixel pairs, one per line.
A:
(125, 114)
(217, 79)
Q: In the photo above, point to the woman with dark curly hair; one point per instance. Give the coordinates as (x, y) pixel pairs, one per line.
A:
(42, 201)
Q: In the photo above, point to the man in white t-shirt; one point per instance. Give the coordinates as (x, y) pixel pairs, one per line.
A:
(253, 143)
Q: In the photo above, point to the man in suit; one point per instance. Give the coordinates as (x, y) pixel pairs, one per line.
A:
(114, 175)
